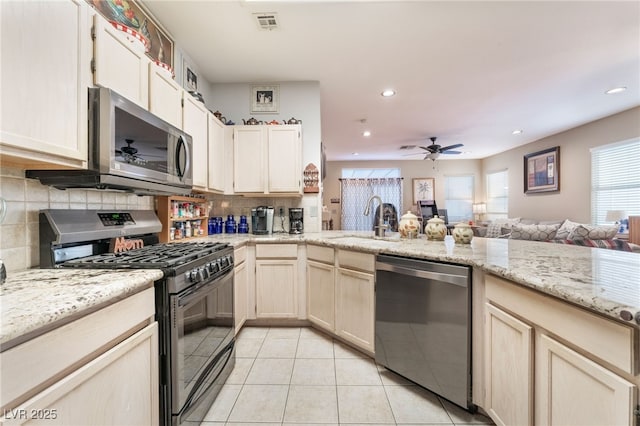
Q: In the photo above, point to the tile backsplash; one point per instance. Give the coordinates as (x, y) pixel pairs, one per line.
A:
(19, 241)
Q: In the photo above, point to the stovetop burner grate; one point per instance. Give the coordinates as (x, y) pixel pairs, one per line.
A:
(155, 256)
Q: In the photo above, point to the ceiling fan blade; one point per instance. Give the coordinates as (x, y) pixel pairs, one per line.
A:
(458, 145)
(431, 148)
(451, 152)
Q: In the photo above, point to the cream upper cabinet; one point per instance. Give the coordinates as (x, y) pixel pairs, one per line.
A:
(355, 298)
(248, 159)
(276, 281)
(120, 62)
(267, 159)
(217, 163)
(284, 159)
(509, 367)
(584, 367)
(195, 122)
(321, 286)
(46, 57)
(165, 96)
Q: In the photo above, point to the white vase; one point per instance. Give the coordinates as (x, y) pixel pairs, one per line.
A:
(409, 225)
(462, 233)
(435, 229)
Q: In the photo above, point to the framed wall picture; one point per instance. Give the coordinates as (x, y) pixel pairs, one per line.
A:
(423, 189)
(189, 77)
(134, 16)
(265, 99)
(542, 171)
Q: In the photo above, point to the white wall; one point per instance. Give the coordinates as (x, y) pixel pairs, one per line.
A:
(300, 100)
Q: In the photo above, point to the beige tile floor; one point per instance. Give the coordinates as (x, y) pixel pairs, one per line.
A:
(302, 376)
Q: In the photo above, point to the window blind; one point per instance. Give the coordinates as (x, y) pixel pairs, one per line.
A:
(459, 197)
(498, 194)
(615, 179)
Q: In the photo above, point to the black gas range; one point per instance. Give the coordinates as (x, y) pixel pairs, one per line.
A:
(194, 300)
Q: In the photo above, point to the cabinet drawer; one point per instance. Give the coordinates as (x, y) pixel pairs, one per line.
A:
(606, 339)
(320, 253)
(239, 255)
(279, 251)
(356, 260)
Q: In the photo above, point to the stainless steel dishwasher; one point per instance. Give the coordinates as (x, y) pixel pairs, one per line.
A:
(423, 324)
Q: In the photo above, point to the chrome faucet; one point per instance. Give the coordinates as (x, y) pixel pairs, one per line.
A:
(380, 227)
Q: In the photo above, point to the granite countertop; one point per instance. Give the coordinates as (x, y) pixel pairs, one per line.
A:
(35, 301)
(604, 281)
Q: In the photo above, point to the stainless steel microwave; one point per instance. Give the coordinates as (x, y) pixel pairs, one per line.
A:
(130, 149)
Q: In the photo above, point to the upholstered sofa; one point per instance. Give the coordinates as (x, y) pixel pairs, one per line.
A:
(557, 231)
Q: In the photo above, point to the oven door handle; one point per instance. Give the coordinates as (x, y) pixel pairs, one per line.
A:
(194, 292)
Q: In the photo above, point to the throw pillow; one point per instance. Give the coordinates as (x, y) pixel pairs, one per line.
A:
(581, 232)
(533, 232)
(494, 230)
(507, 223)
(565, 229)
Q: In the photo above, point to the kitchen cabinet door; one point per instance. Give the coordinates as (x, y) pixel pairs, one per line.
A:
(217, 164)
(573, 390)
(509, 367)
(355, 308)
(248, 159)
(321, 294)
(194, 123)
(240, 283)
(276, 288)
(165, 96)
(284, 159)
(45, 55)
(118, 387)
(120, 64)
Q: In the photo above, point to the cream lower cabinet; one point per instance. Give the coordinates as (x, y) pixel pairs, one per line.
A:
(355, 298)
(321, 287)
(573, 390)
(276, 281)
(509, 368)
(240, 283)
(583, 369)
(99, 369)
(119, 387)
(45, 56)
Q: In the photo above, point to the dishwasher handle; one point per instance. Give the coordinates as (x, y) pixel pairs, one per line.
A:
(459, 280)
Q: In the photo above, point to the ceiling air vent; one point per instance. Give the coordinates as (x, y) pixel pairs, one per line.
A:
(267, 21)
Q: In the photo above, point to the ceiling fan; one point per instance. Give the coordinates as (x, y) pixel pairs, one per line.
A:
(434, 150)
(130, 154)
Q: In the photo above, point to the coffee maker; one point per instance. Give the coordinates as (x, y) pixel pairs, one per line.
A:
(296, 223)
(262, 220)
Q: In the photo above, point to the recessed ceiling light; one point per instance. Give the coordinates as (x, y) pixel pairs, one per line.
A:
(354, 153)
(517, 132)
(366, 133)
(615, 90)
(389, 92)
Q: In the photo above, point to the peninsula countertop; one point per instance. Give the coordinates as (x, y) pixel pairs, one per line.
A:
(35, 301)
(602, 280)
